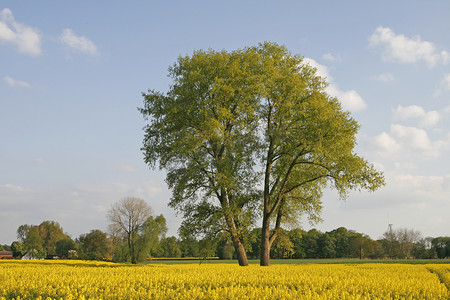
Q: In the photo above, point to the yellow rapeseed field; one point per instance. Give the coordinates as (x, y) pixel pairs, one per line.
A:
(99, 280)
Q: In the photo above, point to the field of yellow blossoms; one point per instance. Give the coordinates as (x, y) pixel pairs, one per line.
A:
(99, 280)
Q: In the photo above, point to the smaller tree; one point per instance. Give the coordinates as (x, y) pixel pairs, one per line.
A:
(23, 231)
(327, 247)
(283, 247)
(168, 247)
(120, 253)
(17, 249)
(149, 236)
(399, 243)
(422, 249)
(51, 232)
(127, 216)
(93, 245)
(441, 246)
(33, 244)
(295, 235)
(310, 241)
(189, 247)
(42, 237)
(64, 246)
(254, 243)
(227, 251)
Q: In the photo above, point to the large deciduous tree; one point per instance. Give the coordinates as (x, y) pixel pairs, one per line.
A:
(251, 133)
(42, 237)
(307, 142)
(203, 133)
(127, 216)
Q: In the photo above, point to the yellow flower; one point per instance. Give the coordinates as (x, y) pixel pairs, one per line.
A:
(99, 280)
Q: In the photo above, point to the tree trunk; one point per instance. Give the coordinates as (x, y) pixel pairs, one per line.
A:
(265, 243)
(238, 246)
(133, 256)
(240, 252)
(131, 247)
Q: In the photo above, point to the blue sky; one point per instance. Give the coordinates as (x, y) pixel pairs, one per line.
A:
(72, 74)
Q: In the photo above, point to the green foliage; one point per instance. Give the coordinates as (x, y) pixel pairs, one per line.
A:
(64, 246)
(34, 244)
(189, 247)
(310, 243)
(37, 253)
(169, 247)
(18, 249)
(203, 133)
(121, 253)
(233, 122)
(400, 243)
(227, 251)
(441, 247)
(126, 219)
(253, 245)
(22, 232)
(51, 232)
(283, 247)
(295, 235)
(208, 248)
(93, 245)
(308, 143)
(149, 236)
(42, 237)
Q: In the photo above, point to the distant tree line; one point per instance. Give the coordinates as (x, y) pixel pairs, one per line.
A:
(342, 243)
(48, 240)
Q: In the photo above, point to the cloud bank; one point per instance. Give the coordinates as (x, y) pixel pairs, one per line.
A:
(415, 112)
(16, 83)
(26, 39)
(399, 48)
(78, 43)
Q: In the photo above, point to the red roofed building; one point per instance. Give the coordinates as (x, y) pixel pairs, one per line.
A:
(6, 254)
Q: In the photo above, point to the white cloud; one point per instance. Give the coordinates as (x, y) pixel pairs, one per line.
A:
(78, 43)
(25, 38)
(444, 85)
(385, 77)
(331, 57)
(399, 48)
(13, 187)
(411, 137)
(126, 168)
(385, 143)
(445, 56)
(421, 183)
(408, 143)
(425, 119)
(16, 83)
(350, 100)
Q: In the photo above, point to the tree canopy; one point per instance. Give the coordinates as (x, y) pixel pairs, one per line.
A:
(42, 238)
(307, 143)
(202, 133)
(250, 133)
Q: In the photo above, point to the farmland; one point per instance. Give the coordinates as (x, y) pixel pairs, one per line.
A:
(101, 280)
